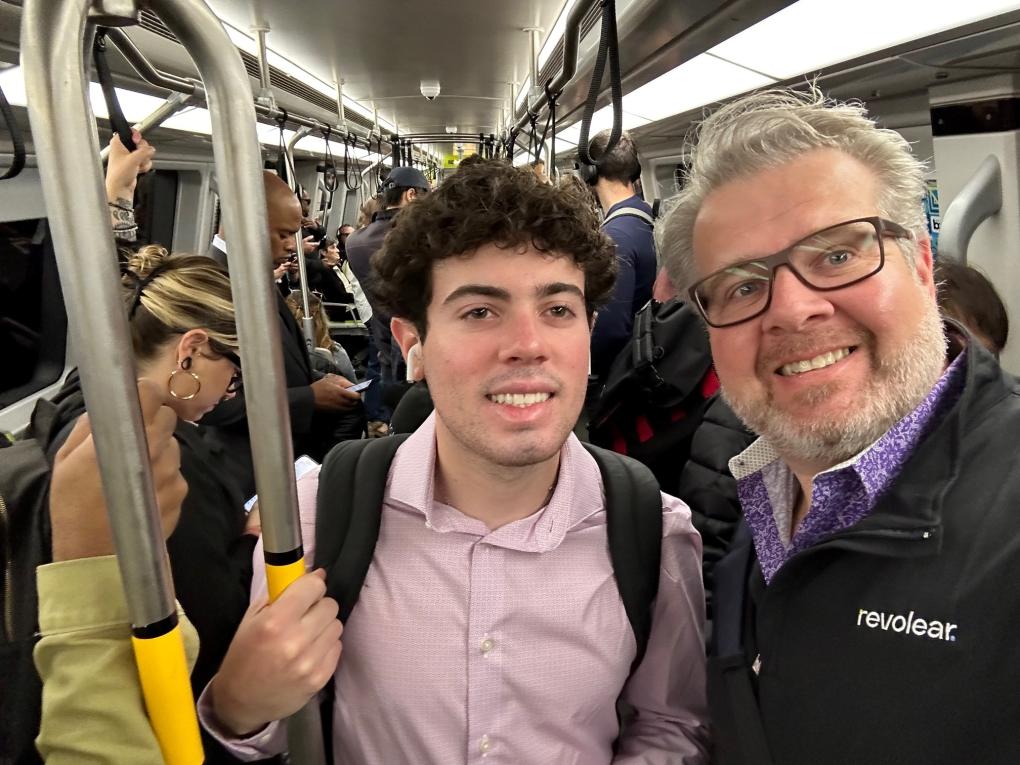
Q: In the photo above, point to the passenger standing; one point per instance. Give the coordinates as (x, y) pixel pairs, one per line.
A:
(401, 187)
(861, 614)
(183, 336)
(965, 294)
(315, 401)
(490, 624)
(628, 222)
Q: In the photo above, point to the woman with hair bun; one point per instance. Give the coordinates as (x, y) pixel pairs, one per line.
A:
(184, 338)
(183, 334)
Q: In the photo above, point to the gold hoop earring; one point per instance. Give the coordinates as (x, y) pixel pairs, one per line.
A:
(175, 394)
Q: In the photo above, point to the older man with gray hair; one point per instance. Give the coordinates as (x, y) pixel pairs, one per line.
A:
(861, 614)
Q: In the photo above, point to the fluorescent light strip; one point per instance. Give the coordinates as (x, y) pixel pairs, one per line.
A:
(754, 58)
(813, 34)
(246, 43)
(136, 106)
(555, 34)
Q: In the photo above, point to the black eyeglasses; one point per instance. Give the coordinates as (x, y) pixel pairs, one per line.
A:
(830, 259)
(236, 382)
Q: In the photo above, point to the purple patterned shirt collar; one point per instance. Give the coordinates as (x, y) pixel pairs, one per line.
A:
(842, 495)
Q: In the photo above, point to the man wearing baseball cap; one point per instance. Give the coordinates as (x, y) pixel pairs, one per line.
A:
(400, 188)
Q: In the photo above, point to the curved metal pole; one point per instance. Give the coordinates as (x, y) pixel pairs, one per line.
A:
(307, 324)
(67, 147)
(147, 71)
(174, 103)
(978, 200)
(571, 41)
(153, 76)
(239, 171)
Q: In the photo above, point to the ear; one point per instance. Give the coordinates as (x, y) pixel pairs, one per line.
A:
(190, 343)
(406, 335)
(925, 265)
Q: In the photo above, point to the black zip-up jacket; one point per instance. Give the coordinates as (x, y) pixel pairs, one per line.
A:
(896, 640)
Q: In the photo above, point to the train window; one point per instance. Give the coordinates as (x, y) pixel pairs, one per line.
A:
(156, 207)
(33, 324)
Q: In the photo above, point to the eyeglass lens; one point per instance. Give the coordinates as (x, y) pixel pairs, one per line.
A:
(827, 260)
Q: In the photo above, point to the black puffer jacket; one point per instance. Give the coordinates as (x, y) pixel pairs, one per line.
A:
(708, 487)
(893, 641)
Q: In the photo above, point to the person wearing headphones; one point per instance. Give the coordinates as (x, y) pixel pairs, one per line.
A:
(628, 222)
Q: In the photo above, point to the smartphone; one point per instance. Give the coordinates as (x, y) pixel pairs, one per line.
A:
(302, 465)
(360, 386)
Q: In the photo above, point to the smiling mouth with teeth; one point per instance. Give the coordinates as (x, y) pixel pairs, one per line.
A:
(520, 400)
(818, 362)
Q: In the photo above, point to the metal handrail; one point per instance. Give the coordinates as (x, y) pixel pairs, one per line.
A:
(153, 76)
(571, 42)
(173, 104)
(53, 35)
(977, 201)
(307, 323)
(52, 44)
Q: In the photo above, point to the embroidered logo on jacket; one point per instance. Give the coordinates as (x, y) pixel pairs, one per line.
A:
(907, 624)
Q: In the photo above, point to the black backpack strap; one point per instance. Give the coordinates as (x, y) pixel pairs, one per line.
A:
(634, 521)
(352, 483)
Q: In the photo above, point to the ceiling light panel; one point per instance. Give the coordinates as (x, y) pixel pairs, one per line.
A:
(813, 34)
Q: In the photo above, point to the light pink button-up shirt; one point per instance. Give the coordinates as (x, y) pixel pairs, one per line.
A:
(471, 645)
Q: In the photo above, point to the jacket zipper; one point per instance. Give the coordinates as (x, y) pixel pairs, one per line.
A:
(8, 575)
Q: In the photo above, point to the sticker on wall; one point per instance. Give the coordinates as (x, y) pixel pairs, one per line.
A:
(932, 212)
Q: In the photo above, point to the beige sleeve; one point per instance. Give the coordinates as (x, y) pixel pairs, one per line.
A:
(92, 708)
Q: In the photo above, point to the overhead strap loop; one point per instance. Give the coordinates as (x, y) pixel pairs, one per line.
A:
(349, 162)
(608, 48)
(116, 115)
(550, 124)
(329, 177)
(17, 139)
(281, 156)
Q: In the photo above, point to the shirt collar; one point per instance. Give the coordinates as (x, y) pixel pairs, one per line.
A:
(576, 497)
(631, 201)
(219, 243)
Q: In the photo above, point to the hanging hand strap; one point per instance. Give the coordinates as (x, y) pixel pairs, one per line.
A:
(116, 115)
(17, 139)
(608, 48)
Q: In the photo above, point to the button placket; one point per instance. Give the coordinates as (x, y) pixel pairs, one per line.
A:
(485, 665)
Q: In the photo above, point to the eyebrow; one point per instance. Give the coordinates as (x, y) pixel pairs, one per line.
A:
(486, 290)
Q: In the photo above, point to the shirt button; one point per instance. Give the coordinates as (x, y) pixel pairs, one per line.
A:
(484, 744)
(487, 645)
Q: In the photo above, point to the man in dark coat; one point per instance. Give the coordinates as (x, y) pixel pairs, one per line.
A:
(316, 402)
(862, 614)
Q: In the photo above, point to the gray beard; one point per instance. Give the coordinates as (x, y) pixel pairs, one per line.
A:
(900, 383)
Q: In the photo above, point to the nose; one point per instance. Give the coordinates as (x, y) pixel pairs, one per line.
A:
(525, 340)
(795, 304)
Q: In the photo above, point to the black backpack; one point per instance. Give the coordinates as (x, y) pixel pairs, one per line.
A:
(24, 544)
(350, 497)
(657, 391)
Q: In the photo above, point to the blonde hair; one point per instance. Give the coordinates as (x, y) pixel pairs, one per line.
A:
(368, 210)
(167, 295)
(320, 321)
(773, 127)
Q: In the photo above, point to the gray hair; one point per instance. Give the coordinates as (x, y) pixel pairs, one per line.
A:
(772, 127)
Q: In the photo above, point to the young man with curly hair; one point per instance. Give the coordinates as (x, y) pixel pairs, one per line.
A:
(489, 627)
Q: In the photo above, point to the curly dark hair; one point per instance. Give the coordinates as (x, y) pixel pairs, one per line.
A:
(488, 202)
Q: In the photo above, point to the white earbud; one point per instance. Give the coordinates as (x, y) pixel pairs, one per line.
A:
(413, 363)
